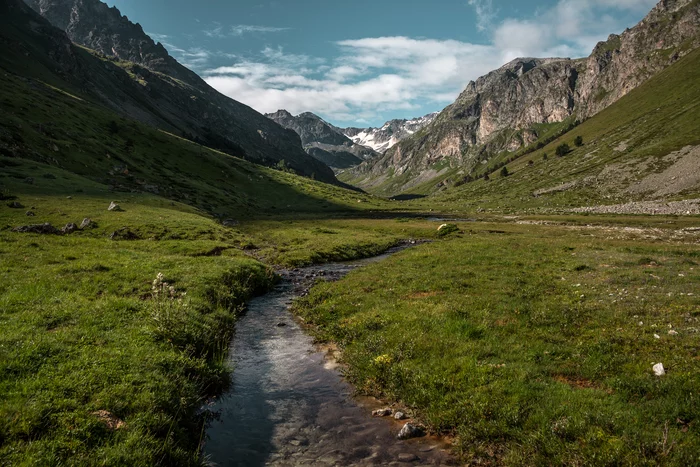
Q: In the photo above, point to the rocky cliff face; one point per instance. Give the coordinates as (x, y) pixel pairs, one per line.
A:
(147, 84)
(393, 131)
(502, 110)
(322, 140)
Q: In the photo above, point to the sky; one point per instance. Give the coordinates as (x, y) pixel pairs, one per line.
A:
(361, 62)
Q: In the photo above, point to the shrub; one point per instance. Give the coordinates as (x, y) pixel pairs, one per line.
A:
(446, 229)
(544, 156)
(504, 172)
(563, 149)
(578, 141)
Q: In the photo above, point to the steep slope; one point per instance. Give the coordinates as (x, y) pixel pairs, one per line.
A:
(139, 79)
(322, 140)
(530, 99)
(393, 131)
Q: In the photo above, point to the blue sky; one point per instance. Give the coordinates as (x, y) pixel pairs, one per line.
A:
(361, 63)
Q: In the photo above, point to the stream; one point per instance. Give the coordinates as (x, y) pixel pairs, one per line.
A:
(288, 403)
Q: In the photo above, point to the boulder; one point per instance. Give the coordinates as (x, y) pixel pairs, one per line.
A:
(230, 223)
(69, 228)
(113, 206)
(410, 430)
(87, 223)
(29, 181)
(399, 415)
(37, 228)
(15, 205)
(30, 214)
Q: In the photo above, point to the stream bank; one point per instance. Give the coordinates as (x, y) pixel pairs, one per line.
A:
(289, 404)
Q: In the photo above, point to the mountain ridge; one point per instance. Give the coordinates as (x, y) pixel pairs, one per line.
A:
(167, 95)
(520, 102)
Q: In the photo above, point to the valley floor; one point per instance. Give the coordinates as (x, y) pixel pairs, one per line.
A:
(526, 340)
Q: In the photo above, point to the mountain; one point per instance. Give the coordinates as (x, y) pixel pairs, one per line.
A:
(393, 131)
(138, 78)
(322, 140)
(531, 100)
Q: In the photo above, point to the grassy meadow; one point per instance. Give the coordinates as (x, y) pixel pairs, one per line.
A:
(531, 345)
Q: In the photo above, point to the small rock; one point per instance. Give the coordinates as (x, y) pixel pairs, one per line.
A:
(659, 369)
(410, 430)
(672, 333)
(29, 181)
(230, 223)
(399, 415)
(114, 207)
(14, 205)
(656, 336)
(295, 442)
(69, 197)
(87, 223)
(385, 412)
(407, 457)
(30, 214)
(69, 228)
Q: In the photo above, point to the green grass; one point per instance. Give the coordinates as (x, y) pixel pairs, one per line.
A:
(83, 332)
(524, 343)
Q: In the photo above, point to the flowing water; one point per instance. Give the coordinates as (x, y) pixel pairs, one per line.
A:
(288, 403)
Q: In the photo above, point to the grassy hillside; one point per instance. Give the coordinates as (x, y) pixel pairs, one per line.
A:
(57, 130)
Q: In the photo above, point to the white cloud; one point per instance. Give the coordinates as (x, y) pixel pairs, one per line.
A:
(485, 13)
(240, 29)
(372, 76)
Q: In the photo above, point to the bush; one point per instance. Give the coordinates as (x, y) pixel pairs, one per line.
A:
(486, 177)
(544, 156)
(563, 149)
(504, 172)
(446, 229)
(578, 141)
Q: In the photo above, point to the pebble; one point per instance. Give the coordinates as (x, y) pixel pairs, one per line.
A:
(407, 457)
(382, 412)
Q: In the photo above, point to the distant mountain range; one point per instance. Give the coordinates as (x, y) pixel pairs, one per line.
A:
(323, 141)
(342, 148)
(127, 71)
(391, 133)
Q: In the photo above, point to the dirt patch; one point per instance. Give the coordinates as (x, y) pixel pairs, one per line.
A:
(580, 383)
(622, 146)
(110, 420)
(682, 175)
